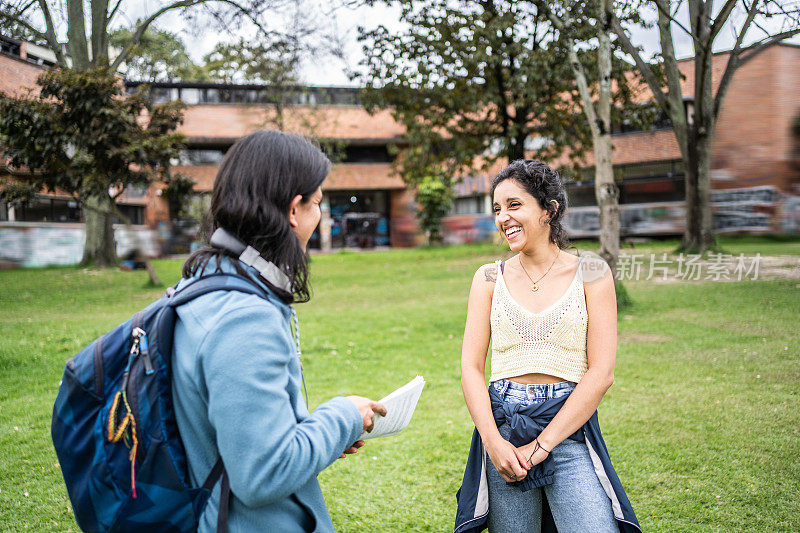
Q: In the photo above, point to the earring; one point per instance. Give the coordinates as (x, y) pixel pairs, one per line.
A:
(547, 221)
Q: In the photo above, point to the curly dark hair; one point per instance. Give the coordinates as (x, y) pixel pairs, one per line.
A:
(544, 184)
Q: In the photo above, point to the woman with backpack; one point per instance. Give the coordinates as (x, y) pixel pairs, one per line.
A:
(237, 373)
(537, 460)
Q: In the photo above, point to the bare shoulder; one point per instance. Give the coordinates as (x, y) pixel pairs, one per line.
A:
(486, 273)
(594, 268)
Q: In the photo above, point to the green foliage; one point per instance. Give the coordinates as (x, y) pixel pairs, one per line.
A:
(434, 196)
(17, 193)
(473, 81)
(83, 137)
(179, 187)
(159, 55)
(12, 28)
(196, 207)
(274, 62)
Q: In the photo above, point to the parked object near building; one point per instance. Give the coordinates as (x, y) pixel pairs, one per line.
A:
(360, 230)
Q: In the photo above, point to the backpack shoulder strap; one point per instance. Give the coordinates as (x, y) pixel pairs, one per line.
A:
(205, 285)
(213, 283)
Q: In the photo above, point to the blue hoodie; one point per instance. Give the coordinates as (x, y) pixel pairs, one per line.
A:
(527, 421)
(236, 388)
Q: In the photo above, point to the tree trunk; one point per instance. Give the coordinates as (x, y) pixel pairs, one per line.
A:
(99, 12)
(99, 249)
(515, 147)
(76, 34)
(605, 187)
(707, 239)
(607, 194)
(699, 233)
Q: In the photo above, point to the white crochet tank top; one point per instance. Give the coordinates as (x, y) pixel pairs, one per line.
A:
(552, 341)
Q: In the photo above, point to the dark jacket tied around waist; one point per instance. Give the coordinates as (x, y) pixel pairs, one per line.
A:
(527, 422)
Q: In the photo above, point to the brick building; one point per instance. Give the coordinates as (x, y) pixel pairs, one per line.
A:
(755, 174)
(755, 162)
(361, 190)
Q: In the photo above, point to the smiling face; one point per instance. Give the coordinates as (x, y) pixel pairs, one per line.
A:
(519, 217)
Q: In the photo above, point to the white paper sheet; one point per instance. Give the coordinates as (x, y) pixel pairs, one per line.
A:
(400, 406)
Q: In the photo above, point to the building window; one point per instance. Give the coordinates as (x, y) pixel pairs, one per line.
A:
(469, 205)
(9, 47)
(366, 154)
(209, 93)
(136, 191)
(360, 219)
(3, 212)
(659, 121)
(660, 181)
(43, 209)
(198, 156)
(581, 194)
(646, 190)
(161, 95)
(134, 213)
(189, 96)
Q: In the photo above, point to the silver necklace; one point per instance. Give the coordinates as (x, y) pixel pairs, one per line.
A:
(534, 286)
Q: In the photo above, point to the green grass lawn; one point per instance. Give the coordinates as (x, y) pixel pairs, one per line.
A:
(702, 424)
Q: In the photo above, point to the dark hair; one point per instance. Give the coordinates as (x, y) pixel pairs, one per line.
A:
(256, 182)
(544, 184)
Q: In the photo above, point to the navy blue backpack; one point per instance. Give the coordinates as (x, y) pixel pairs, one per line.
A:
(114, 427)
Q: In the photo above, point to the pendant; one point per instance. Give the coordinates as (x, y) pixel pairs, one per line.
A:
(534, 287)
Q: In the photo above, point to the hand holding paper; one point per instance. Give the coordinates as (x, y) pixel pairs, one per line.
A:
(368, 409)
(400, 406)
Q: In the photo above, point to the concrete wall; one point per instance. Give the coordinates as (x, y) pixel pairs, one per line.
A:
(32, 244)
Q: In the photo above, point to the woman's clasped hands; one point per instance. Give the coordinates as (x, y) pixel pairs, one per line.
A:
(511, 462)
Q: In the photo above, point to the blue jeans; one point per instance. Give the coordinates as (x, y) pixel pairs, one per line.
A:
(576, 498)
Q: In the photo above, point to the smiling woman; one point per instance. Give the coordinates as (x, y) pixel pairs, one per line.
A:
(551, 319)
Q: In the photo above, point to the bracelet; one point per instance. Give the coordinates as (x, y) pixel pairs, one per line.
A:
(536, 449)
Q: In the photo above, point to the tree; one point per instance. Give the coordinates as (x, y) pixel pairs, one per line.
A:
(81, 136)
(178, 189)
(275, 61)
(434, 195)
(159, 55)
(89, 51)
(473, 82)
(596, 102)
(763, 23)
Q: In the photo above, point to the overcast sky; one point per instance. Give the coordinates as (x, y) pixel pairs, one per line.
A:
(344, 22)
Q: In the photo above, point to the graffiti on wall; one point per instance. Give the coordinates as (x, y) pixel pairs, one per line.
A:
(789, 215)
(756, 209)
(468, 228)
(42, 244)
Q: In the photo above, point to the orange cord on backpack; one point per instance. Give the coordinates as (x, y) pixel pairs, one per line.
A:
(115, 435)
